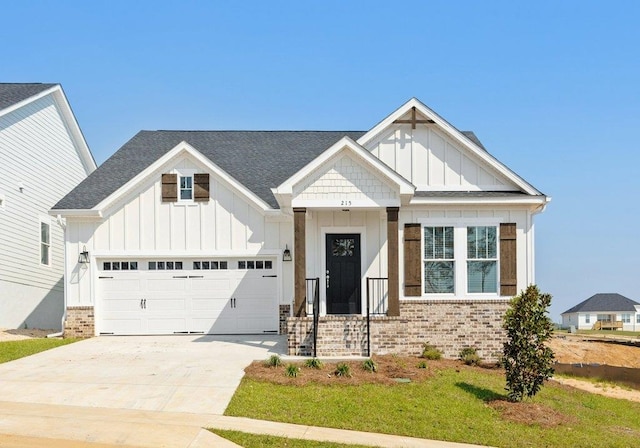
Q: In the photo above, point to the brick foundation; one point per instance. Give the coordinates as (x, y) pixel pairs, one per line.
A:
(285, 312)
(450, 325)
(80, 322)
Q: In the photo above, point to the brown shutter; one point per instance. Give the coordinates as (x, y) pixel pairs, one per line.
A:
(169, 187)
(412, 261)
(201, 187)
(508, 266)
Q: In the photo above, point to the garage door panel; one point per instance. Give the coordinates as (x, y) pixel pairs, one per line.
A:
(121, 285)
(119, 304)
(221, 284)
(166, 304)
(209, 304)
(122, 325)
(166, 325)
(166, 284)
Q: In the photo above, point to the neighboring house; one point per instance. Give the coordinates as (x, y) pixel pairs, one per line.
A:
(43, 155)
(604, 311)
(236, 232)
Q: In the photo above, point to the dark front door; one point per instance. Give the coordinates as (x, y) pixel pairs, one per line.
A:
(343, 274)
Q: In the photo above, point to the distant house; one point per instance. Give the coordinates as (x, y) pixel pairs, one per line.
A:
(43, 155)
(604, 311)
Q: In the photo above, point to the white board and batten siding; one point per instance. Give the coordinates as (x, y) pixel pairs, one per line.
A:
(39, 164)
(141, 227)
(431, 161)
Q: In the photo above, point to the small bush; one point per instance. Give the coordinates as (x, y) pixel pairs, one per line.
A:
(469, 356)
(273, 361)
(292, 370)
(343, 369)
(313, 363)
(431, 352)
(422, 365)
(370, 365)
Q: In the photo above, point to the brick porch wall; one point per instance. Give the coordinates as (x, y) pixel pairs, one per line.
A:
(450, 325)
(285, 312)
(80, 322)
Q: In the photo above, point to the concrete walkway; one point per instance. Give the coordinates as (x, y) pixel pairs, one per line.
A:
(25, 425)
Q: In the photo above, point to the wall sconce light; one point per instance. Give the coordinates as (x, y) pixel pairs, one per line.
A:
(286, 255)
(83, 258)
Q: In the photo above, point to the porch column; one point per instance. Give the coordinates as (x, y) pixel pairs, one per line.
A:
(392, 261)
(299, 267)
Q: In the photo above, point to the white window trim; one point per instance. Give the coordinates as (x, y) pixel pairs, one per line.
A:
(627, 316)
(460, 255)
(44, 220)
(587, 318)
(186, 173)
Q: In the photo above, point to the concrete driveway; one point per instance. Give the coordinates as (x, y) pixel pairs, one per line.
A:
(187, 374)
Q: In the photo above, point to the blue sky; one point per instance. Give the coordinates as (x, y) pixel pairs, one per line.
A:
(551, 88)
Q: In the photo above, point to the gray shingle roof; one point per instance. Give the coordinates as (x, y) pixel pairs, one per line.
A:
(260, 160)
(604, 302)
(474, 138)
(471, 194)
(12, 93)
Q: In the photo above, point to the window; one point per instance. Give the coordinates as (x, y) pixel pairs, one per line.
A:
(165, 265)
(626, 318)
(439, 275)
(587, 318)
(209, 265)
(45, 243)
(255, 264)
(482, 260)
(604, 317)
(638, 318)
(186, 188)
(120, 266)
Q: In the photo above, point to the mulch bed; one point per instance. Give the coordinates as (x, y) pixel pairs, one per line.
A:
(530, 413)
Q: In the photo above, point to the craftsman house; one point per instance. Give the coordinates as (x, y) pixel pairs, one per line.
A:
(604, 312)
(388, 238)
(43, 155)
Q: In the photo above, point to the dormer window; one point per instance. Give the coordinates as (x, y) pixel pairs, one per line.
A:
(186, 188)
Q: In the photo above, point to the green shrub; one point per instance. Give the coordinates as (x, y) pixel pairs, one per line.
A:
(422, 365)
(370, 365)
(343, 369)
(469, 356)
(273, 361)
(292, 370)
(527, 361)
(431, 352)
(313, 363)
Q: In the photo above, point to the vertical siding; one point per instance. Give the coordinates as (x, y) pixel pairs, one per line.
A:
(431, 159)
(37, 152)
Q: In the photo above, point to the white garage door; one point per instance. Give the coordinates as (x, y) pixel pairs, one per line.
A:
(193, 296)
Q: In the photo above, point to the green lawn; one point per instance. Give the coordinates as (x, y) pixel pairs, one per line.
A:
(450, 406)
(10, 350)
(260, 441)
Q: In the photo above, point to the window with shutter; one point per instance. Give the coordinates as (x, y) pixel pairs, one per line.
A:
(412, 261)
(508, 260)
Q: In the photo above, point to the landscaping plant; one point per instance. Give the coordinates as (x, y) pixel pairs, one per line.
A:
(527, 360)
(313, 363)
(370, 365)
(343, 369)
(431, 352)
(469, 356)
(292, 370)
(273, 361)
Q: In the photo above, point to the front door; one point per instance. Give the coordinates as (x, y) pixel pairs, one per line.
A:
(343, 274)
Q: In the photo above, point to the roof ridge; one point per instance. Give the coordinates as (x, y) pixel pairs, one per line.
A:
(248, 130)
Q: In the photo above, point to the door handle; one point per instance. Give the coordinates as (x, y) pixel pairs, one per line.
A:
(180, 276)
(144, 302)
(141, 301)
(269, 276)
(196, 276)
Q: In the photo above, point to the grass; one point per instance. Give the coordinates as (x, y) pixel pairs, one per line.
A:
(258, 441)
(451, 406)
(10, 350)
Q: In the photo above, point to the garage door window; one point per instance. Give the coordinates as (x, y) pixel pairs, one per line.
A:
(209, 265)
(120, 266)
(255, 264)
(165, 265)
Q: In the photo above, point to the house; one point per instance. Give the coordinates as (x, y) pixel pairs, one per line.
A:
(43, 155)
(604, 311)
(407, 233)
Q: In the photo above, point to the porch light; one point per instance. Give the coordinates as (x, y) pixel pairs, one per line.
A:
(83, 258)
(286, 255)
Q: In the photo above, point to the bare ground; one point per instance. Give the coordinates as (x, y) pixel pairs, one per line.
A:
(573, 349)
(15, 335)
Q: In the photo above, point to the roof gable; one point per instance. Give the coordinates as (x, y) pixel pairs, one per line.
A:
(487, 169)
(604, 302)
(14, 93)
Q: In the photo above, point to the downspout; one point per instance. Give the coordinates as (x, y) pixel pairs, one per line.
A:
(63, 225)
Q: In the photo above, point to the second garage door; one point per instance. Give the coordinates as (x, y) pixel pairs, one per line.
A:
(192, 296)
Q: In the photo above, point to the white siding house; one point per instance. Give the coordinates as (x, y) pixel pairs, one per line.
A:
(613, 311)
(239, 231)
(43, 155)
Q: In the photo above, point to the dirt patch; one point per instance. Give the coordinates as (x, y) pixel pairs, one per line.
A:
(390, 370)
(15, 335)
(571, 350)
(530, 413)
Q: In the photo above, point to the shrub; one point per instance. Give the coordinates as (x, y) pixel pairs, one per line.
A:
(370, 365)
(273, 361)
(431, 352)
(528, 362)
(343, 369)
(292, 370)
(469, 356)
(422, 365)
(313, 363)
